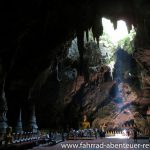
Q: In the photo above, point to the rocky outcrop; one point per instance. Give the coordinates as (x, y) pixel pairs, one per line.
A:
(130, 103)
(143, 60)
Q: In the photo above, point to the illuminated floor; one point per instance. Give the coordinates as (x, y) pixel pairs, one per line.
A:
(104, 144)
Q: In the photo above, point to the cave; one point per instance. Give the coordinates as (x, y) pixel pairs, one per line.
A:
(58, 64)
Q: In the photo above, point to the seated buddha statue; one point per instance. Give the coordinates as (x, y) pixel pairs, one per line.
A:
(85, 124)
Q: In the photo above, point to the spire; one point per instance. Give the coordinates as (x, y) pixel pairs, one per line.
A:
(3, 111)
(32, 123)
(19, 123)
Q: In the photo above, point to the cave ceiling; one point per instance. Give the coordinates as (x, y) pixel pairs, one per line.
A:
(31, 30)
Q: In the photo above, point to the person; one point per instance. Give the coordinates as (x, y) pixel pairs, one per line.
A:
(128, 133)
(95, 133)
(149, 137)
(100, 133)
(104, 134)
(63, 136)
(135, 135)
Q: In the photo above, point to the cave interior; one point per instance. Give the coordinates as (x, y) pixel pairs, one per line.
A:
(55, 57)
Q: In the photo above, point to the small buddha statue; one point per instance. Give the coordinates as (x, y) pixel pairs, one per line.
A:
(85, 124)
(9, 137)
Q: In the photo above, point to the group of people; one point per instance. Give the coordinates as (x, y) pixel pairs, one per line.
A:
(94, 133)
(134, 134)
(87, 133)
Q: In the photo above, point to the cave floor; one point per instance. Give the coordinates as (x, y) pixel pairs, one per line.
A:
(104, 144)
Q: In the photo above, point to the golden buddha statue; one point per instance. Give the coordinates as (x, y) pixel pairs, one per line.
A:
(85, 124)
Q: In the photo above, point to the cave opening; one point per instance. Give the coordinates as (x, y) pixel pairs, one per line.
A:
(110, 59)
(115, 33)
(115, 36)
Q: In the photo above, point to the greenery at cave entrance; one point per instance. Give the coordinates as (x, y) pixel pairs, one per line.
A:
(109, 42)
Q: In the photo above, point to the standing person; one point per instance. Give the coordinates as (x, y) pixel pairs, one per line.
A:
(96, 133)
(50, 136)
(135, 135)
(104, 134)
(100, 133)
(128, 133)
(62, 135)
(149, 136)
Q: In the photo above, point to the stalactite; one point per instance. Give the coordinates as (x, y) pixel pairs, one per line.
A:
(115, 24)
(97, 29)
(87, 35)
(80, 42)
(129, 26)
(58, 71)
(86, 69)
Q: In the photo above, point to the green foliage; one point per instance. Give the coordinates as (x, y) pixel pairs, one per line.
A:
(106, 40)
(127, 42)
(107, 45)
(93, 53)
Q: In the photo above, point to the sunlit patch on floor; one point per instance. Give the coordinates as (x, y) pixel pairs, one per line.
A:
(118, 136)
